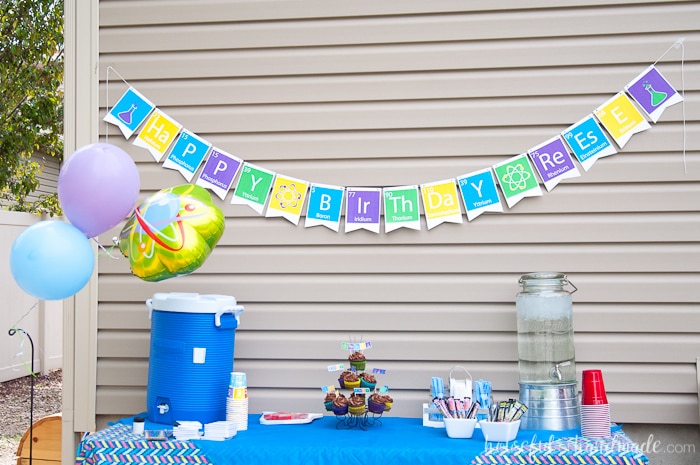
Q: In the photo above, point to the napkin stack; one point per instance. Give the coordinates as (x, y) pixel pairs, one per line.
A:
(219, 430)
(186, 430)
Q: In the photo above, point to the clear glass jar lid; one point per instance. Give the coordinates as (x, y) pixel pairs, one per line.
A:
(547, 279)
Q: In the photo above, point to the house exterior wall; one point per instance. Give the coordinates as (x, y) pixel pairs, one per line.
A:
(381, 94)
(48, 179)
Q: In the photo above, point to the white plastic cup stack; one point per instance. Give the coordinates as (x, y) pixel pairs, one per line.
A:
(237, 401)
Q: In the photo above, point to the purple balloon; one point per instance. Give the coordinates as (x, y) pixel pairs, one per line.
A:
(97, 187)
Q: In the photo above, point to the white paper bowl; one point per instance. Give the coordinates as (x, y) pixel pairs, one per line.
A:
(460, 428)
(499, 431)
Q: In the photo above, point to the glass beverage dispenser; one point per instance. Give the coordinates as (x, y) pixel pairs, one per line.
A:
(546, 359)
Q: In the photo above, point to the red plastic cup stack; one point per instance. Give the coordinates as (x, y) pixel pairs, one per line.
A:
(595, 410)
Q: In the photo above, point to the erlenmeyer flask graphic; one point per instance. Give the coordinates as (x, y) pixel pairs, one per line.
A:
(656, 96)
(125, 116)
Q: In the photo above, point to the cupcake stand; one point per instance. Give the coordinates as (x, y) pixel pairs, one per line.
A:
(365, 403)
(362, 421)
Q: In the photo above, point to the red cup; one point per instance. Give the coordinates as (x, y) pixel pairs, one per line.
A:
(592, 388)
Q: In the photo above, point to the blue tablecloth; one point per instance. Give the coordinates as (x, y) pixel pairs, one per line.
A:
(388, 441)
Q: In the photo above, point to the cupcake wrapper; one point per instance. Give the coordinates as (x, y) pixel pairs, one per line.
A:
(329, 405)
(359, 365)
(365, 384)
(357, 410)
(352, 384)
(340, 410)
(375, 407)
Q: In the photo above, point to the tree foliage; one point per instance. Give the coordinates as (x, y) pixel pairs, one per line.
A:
(31, 98)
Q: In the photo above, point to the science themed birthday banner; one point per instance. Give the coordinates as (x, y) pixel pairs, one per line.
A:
(598, 135)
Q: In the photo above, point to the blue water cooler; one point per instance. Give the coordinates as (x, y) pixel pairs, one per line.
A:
(191, 357)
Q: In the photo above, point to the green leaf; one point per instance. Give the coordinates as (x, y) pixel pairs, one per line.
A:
(31, 101)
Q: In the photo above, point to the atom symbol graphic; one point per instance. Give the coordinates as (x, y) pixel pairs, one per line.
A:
(288, 196)
(516, 177)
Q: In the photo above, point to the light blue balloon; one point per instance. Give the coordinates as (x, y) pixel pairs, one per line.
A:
(52, 260)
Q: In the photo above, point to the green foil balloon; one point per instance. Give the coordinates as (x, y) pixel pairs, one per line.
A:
(172, 233)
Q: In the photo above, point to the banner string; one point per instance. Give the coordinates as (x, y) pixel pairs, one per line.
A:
(20, 354)
(108, 252)
(27, 365)
(510, 196)
(115, 242)
(111, 69)
(25, 315)
(680, 43)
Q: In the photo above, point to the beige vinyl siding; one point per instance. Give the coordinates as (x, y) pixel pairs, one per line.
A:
(48, 179)
(380, 93)
(48, 176)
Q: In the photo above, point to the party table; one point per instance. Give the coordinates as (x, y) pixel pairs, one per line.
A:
(386, 440)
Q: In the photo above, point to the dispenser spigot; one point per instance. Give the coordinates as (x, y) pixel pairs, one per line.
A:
(555, 372)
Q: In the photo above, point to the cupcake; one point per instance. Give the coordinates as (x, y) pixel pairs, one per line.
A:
(356, 405)
(357, 360)
(376, 403)
(340, 405)
(382, 399)
(341, 380)
(367, 380)
(328, 401)
(351, 381)
(388, 402)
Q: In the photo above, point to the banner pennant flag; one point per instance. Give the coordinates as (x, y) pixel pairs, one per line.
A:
(588, 141)
(157, 134)
(187, 154)
(618, 119)
(325, 206)
(129, 112)
(253, 187)
(621, 118)
(441, 203)
(356, 345)
(362, 211)
(219, 171)
(401, 208)
(479, 193)
(553, 162)
(287, 198)
(517, 179)
(653, 92)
